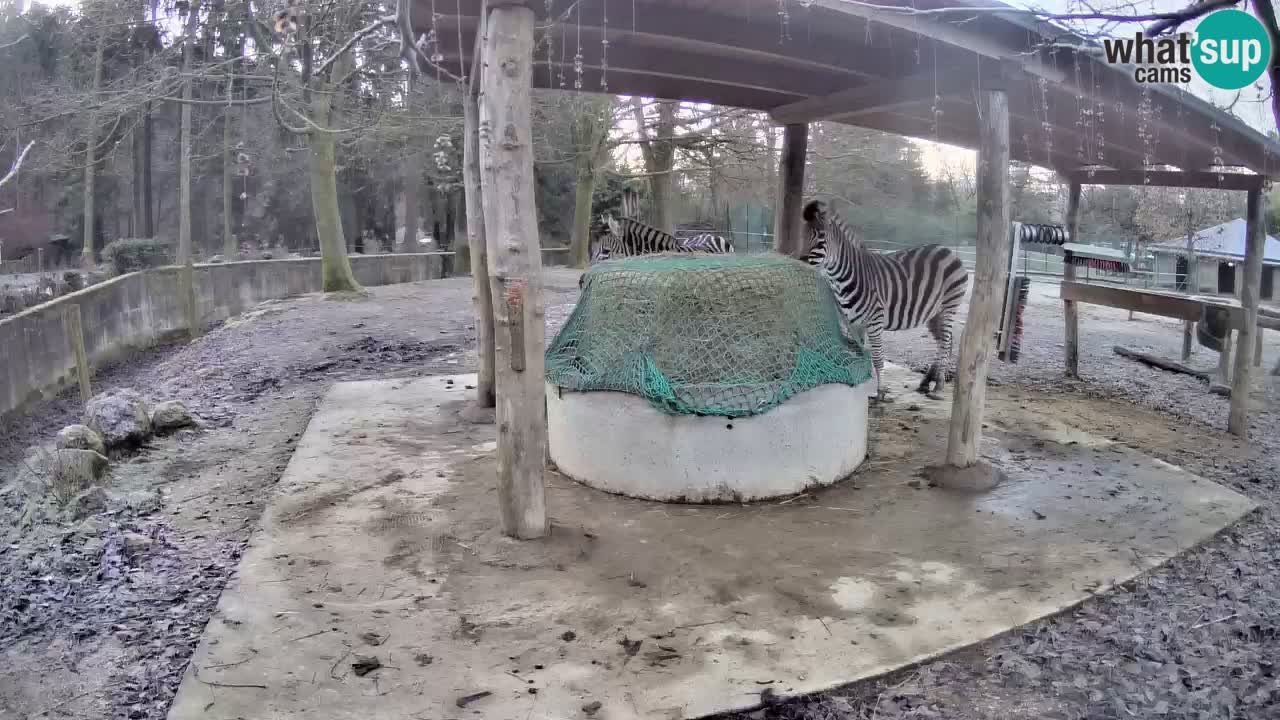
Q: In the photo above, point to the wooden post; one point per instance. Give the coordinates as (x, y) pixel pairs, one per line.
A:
(511, 230)
(482, 299)
(1250, 291)
(75, 338)
(1188, 333)
(992, 263)
(1224, 361)
(1070, 312)
(787, 220)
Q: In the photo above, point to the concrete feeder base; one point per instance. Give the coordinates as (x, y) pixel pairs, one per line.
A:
(620, 443)
(380, 540)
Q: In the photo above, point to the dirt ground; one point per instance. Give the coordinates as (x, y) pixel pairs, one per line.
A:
(99, 618)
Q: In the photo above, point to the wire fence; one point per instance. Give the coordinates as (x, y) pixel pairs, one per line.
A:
(1030, 261)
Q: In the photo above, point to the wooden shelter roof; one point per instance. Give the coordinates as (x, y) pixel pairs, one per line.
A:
(906, 73)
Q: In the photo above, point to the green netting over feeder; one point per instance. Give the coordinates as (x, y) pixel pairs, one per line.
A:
(705, 334)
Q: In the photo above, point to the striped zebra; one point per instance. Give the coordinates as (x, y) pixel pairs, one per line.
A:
(707, 243)
(627, 237)
(888, 291)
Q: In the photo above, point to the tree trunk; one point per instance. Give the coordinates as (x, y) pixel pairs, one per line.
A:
(659, 159)
(137, 213)
(511, 227)
(324, 201)
(584, 191)
(184, 176)
(591, 141)
(148, 209)
(91, 155)
(411, 174)
(461, 241)
(483, 297)
(335, 267)
(230, 247)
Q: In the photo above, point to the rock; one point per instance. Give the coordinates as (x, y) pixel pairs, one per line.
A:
(81, 437)
(268, 255)
(91, 501)
(141, 502)
(205, 373)
(170, 415)
(120, 417)
(136, 541)
(60, 474)
(215, 259)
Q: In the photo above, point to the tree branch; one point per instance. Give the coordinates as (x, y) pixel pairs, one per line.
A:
(1267, 12)
(8, 45)
(17, 164)
(360, 34)
(1191, 12)
(1178, 17)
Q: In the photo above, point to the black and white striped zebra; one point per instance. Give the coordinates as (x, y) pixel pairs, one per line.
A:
(888, 291)
(628, 237)
(707, 243)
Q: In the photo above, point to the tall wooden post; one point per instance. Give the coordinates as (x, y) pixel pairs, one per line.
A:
(978, 341)
(787, 220)
(482, 299)
(1238, 421)
(511, 230)
(1070, 312)
(75, 337)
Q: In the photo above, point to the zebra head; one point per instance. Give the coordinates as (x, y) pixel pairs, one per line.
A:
(815, 232)
(605, 234)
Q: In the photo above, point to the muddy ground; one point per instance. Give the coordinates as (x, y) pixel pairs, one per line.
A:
(98, 617)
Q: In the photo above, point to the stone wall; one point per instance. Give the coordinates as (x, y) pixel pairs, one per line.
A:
(141, 309)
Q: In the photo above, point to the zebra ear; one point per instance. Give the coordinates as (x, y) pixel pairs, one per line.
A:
(815, 211)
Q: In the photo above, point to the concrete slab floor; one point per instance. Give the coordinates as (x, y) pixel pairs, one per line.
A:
(381, 542)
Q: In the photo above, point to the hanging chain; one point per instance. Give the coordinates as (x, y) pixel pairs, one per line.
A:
(577, 58)
(550, 28)
(604, 48)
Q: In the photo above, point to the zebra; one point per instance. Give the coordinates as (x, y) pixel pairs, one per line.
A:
(888, 291)
(628, 237)
(708, 243)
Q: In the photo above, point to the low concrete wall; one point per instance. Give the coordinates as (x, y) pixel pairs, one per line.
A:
(140, 309)
(619, 443)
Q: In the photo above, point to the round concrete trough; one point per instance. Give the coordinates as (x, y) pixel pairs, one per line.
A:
(619, 443)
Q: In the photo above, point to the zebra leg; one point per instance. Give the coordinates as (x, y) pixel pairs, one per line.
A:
(940, 329)
(873, 333)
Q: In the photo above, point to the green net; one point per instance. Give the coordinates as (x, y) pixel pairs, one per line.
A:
(705, 334)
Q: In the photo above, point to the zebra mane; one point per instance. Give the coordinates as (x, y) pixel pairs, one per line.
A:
(643, 226)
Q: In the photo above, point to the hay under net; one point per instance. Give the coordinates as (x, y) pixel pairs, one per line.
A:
(705, 334)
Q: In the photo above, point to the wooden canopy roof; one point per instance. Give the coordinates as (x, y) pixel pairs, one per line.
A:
(865, 65)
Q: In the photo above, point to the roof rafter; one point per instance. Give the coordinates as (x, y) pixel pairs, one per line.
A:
(870, 98)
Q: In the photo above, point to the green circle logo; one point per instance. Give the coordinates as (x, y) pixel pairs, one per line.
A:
(1232, 49)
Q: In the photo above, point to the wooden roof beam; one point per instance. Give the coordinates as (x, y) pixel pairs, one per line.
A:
(871, 98)
(1171, 178)
(948, 34)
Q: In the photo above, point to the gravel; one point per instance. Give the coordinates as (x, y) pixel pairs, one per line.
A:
(99, 618)
(1198, 638)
